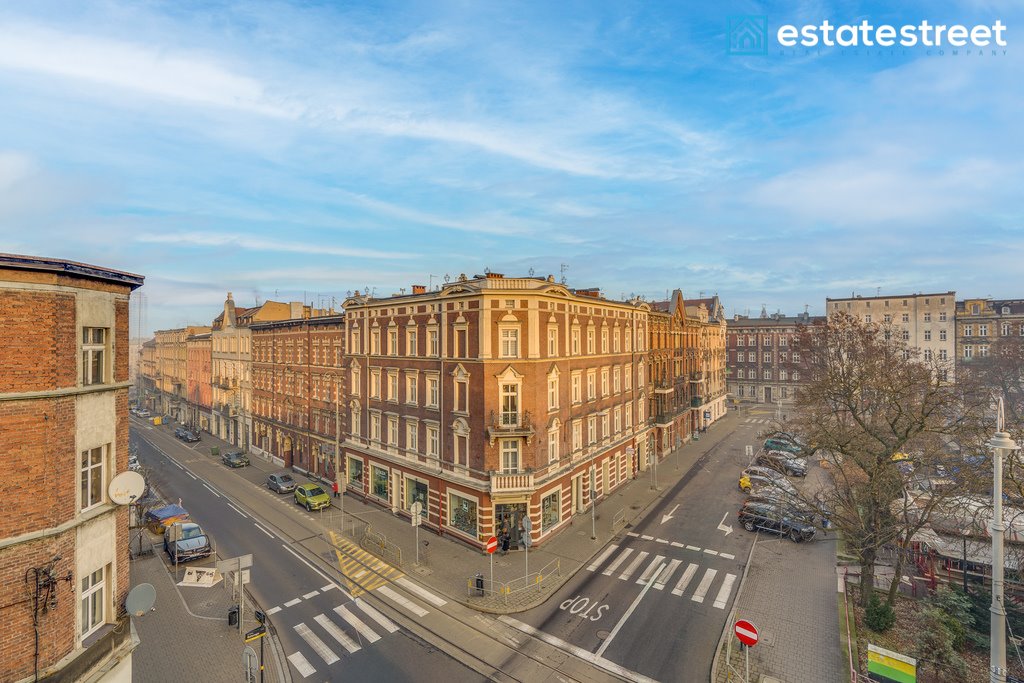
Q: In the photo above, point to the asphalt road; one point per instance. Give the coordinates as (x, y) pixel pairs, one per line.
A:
(325, 633)
(656, 599)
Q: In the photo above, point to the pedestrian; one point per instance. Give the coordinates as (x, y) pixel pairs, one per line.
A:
(334, 485)
(506, 539)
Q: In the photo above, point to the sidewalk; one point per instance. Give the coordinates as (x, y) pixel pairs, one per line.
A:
(186, 635)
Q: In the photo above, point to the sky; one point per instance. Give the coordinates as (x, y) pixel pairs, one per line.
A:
(304, 150)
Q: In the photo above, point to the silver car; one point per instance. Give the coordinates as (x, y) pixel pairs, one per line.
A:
(281, 482)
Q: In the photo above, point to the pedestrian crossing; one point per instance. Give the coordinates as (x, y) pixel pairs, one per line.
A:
(759, 420)
(625, 564)
(361, 570)
(347, 629)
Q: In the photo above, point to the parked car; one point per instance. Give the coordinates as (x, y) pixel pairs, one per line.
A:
(783, 462)
(774, 444)
(179, 432)
(312, 496)
(790, 437)
(755, 477)
(281, 482)
(763, 516)
(185, 541)
(189, 436)
(143, 412)
(133, 463)
(235, 459)
(792, 504)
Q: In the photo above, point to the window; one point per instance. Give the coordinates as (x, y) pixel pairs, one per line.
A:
(575, 341)
(552, 341)
(982, 330)
(968, 330)
(93, 600)
(432, 441)
(782, 375)
(462, 514)
(411, 343)
(616, 340)
(433, 343)
(577, 435)
(1005, 331)
(355, 422)
(927, 335)
(432, 392)
(590, 340)
(975, 309)
(628, 415)
(785, 392)
(640, 411)
(928, 354)
(93, 475)
(355, 380)
(629, 343)
(605, 426)
(411, 389)
(375, 342)
(740, 392)
(575, 386)
(509, 404)
(767, 374)
(412, 433)
(604, 382)
(393, 342)
(550, 511)
(552, 392)
(783, 340)
(906, 317)
(983, 350)
(741, 373)
(796, 358)
(355, 471)
(968, 351)
(393, 386)
(867, 318)
(94, 353)
(393, 431)
(796, 376)
(942, 335)
(591, 385)
(375, 383)
(943, 355)
(906, 335)
(783, 356)
(553, 445)
(510, 456)
(509, 342)
(379, 482)
(355, 344)
(766, 340)
(375, 426)
(887, 318)
(767, 356)
(616, 379)
(927, 317)
(417, 491)
(604, 340)
(618, 419)
(591, 430)
(628, 376)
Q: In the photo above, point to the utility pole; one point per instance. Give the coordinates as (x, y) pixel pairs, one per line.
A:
(339, 482)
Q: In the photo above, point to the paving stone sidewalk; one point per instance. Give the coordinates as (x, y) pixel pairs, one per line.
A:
(790, 594)
(186, 637)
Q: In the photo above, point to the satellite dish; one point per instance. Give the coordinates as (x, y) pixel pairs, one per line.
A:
(126, 487)
(140, 599)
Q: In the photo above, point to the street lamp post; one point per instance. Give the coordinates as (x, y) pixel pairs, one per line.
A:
(1002, 447)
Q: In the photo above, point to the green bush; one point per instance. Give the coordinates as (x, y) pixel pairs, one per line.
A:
(955, 609)
(879, 615)
(935, 645)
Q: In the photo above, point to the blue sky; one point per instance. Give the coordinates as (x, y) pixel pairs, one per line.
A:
(276, 149)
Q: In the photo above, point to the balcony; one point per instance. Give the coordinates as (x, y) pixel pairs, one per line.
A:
(502, 482)
(664, 387)
(696, 401)
(507, 424)
(226, 409)
(696, 377)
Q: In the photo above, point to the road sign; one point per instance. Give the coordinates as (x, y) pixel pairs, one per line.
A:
(492, 544)
(417, 510)
(256, 633)
(746, 632)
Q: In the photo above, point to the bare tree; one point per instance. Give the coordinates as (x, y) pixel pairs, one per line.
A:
(884, 414)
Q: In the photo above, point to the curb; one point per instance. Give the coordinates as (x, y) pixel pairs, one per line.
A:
(732, 612)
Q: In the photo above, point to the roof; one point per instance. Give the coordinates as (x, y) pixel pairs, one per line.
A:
(54, 265)
(890, 296)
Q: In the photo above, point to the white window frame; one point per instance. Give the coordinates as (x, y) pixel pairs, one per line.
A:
(92, 472)
(93, 601)
(511, 456)
(509, 346)
(93, 351)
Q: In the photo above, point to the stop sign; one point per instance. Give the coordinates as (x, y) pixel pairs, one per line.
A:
(492, 544)
(746, 632)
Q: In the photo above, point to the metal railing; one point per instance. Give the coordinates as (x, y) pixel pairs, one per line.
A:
(481, 586)
(619, 520)
(378, 544)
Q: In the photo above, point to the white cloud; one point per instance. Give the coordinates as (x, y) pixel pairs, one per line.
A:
(253, 243)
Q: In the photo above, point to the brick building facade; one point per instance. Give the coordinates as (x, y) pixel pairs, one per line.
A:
(763, 367)
(63, 436)
(198, 382)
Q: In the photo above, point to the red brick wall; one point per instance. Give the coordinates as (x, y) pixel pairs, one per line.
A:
(38, 340)
(37, 447)
(56, 627)
(120, 341)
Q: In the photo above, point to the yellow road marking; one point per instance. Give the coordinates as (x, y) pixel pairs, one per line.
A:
(362, 571)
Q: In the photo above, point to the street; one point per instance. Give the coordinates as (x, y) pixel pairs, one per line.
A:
(656, 599)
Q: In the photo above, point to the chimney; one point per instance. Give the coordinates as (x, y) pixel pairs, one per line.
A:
(419, 289)
(229, 312)
(495, 276)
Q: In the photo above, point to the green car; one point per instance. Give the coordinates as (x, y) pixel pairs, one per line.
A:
(312, 496)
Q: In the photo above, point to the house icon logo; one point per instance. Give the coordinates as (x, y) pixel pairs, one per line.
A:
(747, 34)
